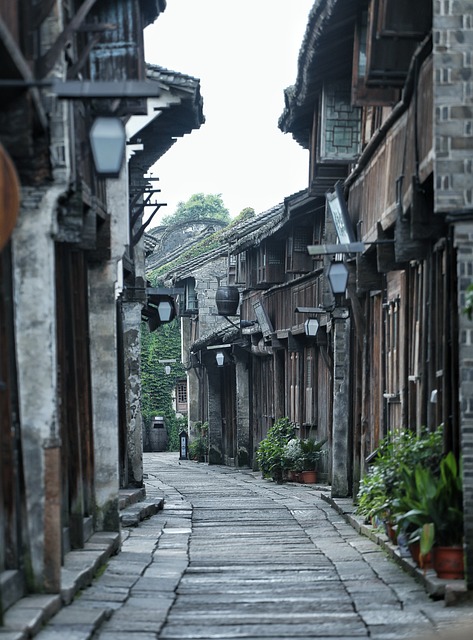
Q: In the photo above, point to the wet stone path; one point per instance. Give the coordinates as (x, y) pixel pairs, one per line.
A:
(235, 556)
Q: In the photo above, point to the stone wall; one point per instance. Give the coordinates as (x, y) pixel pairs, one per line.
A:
(453, 116)
(464, 246)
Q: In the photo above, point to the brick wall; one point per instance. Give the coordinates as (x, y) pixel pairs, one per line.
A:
(464, 246)
(453, 93)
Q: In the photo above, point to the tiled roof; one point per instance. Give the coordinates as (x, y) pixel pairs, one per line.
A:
(324, 53)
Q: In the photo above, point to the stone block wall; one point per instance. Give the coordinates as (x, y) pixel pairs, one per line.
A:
(453, 99)
(206, 285)
(464, 246)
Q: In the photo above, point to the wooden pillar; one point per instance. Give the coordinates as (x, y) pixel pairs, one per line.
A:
(341, 404)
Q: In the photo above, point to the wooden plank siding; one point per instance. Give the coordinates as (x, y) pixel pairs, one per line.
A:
(75, 390)
(372, 197)
(10, 459)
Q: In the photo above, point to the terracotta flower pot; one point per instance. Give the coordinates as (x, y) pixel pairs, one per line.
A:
(449, 562)
(308, 477)
(426, 563)
(391, 532)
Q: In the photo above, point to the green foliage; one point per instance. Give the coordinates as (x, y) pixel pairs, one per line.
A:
(371, 498)
(292, 455)
(383, 484)
(199, 207)
(199, 447)
(432, 507)
(270, 454)
(245, 214)
(311, 451)
(199, 248)
(468, 308)
(174, 428)
(157, 386)
(302, 455)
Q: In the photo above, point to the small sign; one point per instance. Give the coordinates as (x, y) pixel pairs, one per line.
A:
(340, 216)
(183, 445)
(263, 320)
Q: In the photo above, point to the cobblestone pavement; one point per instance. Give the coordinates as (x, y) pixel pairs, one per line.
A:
(234, 556)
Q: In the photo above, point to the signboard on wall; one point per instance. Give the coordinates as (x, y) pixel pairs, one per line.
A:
(340, 216)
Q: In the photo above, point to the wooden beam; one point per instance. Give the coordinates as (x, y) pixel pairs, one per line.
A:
(48, 60)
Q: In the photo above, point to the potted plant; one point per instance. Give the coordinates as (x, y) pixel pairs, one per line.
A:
(437, 512)
(384, 484)
(310, 454)
(270, 454)
(292, 457)
(199, 447)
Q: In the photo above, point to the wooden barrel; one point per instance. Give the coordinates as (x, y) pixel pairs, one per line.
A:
(227, 299)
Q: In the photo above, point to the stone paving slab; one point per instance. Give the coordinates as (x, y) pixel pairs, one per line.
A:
(206, 632)
(234, 556)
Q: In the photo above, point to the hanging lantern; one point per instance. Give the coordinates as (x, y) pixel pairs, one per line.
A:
(338, 277)
(107, 140)
(311, 327)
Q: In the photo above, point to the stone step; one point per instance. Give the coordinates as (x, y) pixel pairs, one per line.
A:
(81, 565)
(131, 516)
(127, 497)
(12, 588)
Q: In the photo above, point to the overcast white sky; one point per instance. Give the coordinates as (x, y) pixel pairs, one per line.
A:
(245, 54)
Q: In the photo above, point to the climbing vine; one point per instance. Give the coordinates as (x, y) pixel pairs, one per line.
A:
(157, 386)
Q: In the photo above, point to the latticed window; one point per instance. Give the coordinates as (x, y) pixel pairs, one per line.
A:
(271, 261)
(181, 396)
(182, 393)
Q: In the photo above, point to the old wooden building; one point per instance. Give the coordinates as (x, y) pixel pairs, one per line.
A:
(72, 284)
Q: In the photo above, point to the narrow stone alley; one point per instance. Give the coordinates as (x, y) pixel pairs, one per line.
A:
(234, 556)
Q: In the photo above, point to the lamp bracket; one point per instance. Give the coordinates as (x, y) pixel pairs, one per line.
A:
(349, 247)
(311, 310)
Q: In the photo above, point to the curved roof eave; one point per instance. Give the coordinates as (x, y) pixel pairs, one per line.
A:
(321, 53)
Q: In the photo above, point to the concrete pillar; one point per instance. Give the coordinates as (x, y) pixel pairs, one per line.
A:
(464, 246)
(104, 374)
(341, 403)
(215, 416)
(242, 415)
(131, 320)
(35, 333)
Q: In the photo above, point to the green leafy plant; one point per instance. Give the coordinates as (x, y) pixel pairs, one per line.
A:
(311, 450)
(158, 387)
(468, 308)
(199, 446)
(383, 485)
(372, 497)
(435, 515)
(270, 454)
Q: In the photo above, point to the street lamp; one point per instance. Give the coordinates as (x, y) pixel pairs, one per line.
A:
(220, 358)
(311, 326)
(337, 275)
(107, 140)
(165, 310)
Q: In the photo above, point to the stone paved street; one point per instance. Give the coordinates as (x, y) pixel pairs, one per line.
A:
(234, 556)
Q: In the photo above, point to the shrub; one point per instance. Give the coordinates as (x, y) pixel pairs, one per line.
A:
(199, 447)
(381, 487)
(270, 454)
